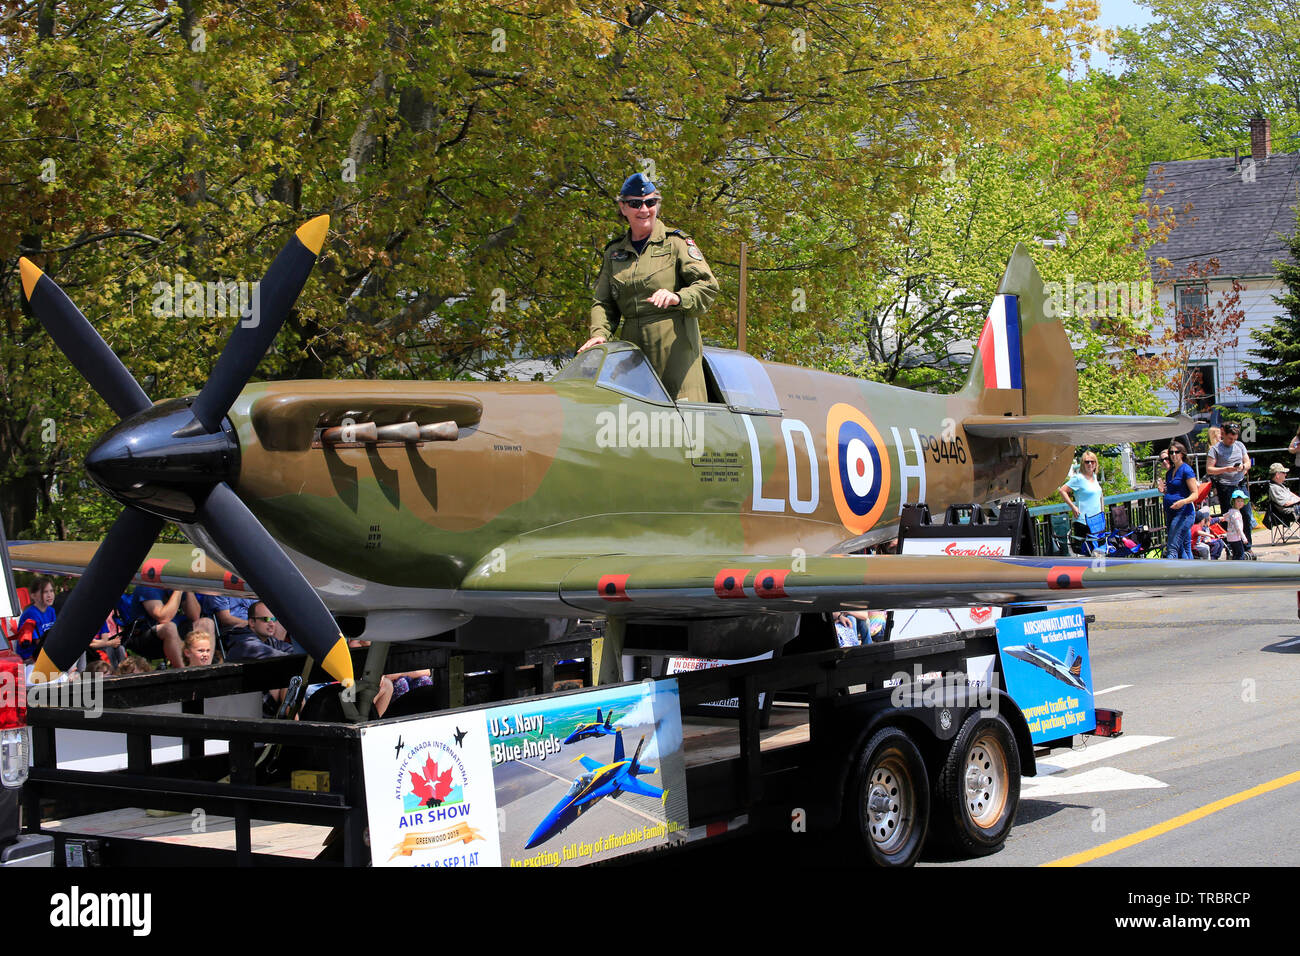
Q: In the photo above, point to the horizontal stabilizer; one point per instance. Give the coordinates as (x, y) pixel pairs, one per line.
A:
(1079, 429)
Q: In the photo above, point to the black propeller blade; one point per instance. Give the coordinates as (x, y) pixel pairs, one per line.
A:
(109, 573)
(77, 338)
(275, 296)
(256, 555)
(242, 539)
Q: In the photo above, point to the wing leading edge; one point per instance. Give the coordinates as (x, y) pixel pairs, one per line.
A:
(177, 567)
(723, 585)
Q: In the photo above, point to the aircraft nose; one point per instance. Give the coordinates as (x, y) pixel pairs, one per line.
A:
(156, 462)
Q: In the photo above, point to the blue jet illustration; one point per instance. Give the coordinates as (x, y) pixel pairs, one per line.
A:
(598, 729)
(1070, 670)
(600, 780)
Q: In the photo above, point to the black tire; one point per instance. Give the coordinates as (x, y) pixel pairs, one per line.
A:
(977, 792)
(888, 806)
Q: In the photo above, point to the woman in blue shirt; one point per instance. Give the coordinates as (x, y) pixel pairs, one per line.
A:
(1181, 488)
(1087, 499)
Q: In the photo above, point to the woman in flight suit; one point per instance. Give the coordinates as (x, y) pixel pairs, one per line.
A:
(654, 280)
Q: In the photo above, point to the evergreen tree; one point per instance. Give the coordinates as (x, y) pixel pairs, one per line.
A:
(1275, 377)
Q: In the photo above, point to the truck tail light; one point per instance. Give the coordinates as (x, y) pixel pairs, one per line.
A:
(15, 738)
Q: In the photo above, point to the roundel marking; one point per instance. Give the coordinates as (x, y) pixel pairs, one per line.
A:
(231, 582)
(860, 470)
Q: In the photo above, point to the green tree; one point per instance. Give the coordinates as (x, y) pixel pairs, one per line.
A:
(1069, 192)
(468, 155)
(1195, 76)
(1275, 370)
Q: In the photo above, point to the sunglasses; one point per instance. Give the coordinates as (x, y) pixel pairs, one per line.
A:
(638, 203)
(268, 620)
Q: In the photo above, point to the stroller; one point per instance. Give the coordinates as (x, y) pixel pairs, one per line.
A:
(1126, 542)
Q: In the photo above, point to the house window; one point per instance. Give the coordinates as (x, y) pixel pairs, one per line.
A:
(1191, 305)
(1202, 382)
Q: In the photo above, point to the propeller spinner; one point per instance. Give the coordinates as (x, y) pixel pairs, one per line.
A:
(175, 460)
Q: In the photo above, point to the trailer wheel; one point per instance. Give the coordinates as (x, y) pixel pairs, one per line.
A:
(889, 805)
(978, 790)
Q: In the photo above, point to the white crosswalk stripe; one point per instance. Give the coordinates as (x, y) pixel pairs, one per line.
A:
(1051, 783)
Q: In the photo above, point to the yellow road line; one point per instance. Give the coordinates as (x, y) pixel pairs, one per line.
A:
(1191, 816)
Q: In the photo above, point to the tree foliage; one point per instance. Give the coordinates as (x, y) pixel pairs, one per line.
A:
(1275, 372)
(1067, 190)
(468, 155)
(1201, 69)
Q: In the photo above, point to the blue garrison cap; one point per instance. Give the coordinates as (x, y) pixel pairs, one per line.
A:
(638, 185)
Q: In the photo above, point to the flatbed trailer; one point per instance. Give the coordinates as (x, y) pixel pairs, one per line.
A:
(885, 743)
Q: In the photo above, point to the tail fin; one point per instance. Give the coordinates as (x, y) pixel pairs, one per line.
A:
(598, 715)
(636, 757)
(618, 747)
(1075, 663)
(1024, 365)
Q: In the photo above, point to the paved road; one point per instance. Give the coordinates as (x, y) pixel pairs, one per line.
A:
(1209, 687)
(1207, 773)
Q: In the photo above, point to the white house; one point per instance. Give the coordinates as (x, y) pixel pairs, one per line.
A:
(1238, 211)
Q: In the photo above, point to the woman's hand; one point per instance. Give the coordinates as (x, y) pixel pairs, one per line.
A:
(594, 340)
(663, 298)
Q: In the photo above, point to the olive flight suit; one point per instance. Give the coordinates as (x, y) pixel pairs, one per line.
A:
(669, 337)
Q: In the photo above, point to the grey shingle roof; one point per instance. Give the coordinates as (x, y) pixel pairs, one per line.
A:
(1242, 223)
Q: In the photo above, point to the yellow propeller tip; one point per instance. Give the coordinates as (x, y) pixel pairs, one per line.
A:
(338, 662)
(312, 233)
(31, 275)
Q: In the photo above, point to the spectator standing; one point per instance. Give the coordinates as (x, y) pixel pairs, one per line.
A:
(1087, 499)
(1236, 536)
(1228, 465)
(1181, 488)
(1294, 448)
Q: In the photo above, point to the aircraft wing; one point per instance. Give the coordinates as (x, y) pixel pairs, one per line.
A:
(589, 763)
(177, 567)
(724, 585)
(1078, 429)
(631, 784)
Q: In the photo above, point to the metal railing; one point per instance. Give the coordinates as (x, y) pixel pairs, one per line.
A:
(1050, 524)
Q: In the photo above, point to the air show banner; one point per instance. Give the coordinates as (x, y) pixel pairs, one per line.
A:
(429, 793)
(1045, 663)
(586, 777)
(546, 781)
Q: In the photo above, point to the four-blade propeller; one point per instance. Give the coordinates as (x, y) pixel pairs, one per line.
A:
(191, 454)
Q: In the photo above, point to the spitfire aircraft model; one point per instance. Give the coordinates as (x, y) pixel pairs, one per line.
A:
(599, 781)
(396, 510)
(598, 729)
(1070, 670)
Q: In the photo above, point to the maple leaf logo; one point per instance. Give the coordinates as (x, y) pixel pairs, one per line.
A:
(432, 788)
